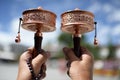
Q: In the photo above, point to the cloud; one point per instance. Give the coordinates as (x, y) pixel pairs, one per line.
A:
(0, 27)
(27, 37)
(52, 36)
(95, 7)
(106, 31)
(116, 30)
(112, 12)
(114, 16)
(116, 2)
(107, 8)
(5, 38)
(103, 34)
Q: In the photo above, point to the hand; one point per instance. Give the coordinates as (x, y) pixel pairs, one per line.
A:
(79, 68)
(36, 62)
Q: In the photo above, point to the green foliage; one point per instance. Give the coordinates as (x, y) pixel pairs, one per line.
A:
(94, 50)
(66, 39)
(111, 52)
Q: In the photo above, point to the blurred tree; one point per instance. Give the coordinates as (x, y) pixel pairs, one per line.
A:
(66, 39)
(111, 51)
(94, 50)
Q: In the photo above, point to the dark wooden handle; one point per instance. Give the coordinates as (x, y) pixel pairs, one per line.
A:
(38, 43)
(76, 41)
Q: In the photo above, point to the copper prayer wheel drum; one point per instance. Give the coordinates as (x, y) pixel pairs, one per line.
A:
(77, 21)
(39, 19)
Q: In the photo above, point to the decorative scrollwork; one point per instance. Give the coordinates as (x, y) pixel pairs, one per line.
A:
(82, 20)
(77, 17)
(39, 17)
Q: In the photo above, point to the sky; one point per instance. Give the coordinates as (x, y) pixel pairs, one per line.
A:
(107, 15)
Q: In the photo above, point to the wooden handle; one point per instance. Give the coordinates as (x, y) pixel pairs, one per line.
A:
(76, 41)
(38, 43)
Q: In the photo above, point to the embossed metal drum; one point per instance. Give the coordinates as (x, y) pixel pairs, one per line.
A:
(39, 19)
(77, 20)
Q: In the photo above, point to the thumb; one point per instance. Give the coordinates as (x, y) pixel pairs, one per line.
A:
(69, 54)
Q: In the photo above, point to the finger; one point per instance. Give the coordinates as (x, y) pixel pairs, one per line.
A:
(68, 73)
(85, 51)
(69, 54)
(86, 54)
(30, 49)
(44, 67)
(43, 75)
(40, 59)
(68, 67)
(44, 71)
(27, 54)
(68, 64)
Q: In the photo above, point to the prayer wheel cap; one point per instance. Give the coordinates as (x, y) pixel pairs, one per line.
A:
(39, 19)
(82, 21)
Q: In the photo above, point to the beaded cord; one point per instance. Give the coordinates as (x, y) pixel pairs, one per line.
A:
(34, 77)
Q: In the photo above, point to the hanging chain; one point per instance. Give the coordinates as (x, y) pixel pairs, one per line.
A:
(20, 19)
(34, 77)
(95, 29)
(17, 39)
(95, 37)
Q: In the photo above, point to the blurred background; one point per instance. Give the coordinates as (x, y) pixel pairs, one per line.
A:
(107, 54)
